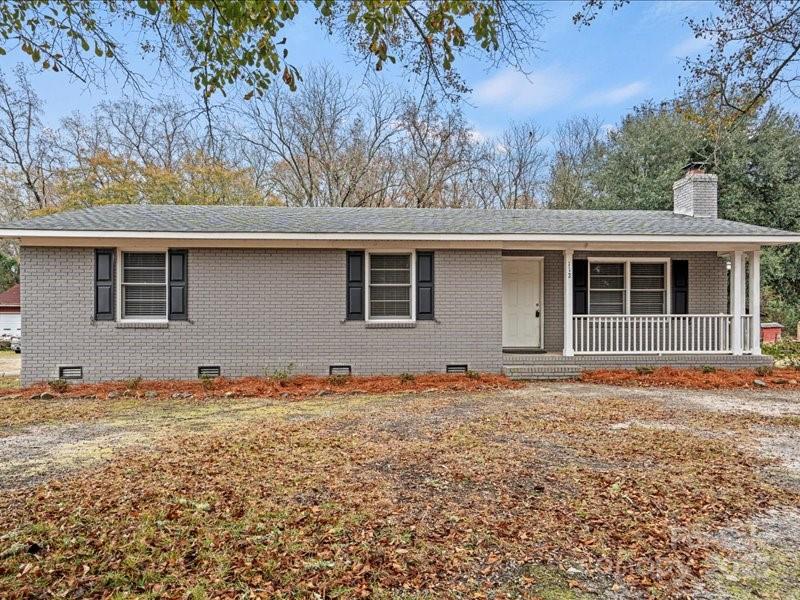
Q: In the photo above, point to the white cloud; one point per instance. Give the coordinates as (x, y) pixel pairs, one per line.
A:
(616, 95)
(688, 47)
(515, 91)
(666, 9)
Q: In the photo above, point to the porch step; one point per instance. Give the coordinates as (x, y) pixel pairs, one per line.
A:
(541, 372)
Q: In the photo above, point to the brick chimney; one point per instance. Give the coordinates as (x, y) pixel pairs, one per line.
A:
(695, 194)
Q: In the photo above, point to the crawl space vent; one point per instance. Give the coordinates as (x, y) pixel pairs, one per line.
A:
(208, 372)
(70, 372)
(340, 370)
(456, 369)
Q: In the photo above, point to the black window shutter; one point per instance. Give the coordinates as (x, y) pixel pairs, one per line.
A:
(178, 285)
(355, 285)
(580, 287)
(425, 286)
(680, 287)
(104, 278)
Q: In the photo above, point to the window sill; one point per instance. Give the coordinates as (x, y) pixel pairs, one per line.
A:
(390, 324)
(142, 325)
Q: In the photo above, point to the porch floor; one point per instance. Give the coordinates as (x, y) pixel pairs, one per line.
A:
(554, 365)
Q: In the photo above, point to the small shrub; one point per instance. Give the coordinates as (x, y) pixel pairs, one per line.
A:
(282, 374)
(792, 362)
(133, 383)
(59, 385)
(784, 348)
(764, 370)
(644, 370)
(473, 375)
(338, 379)
(709, 369)
(406, 377)
(207, 383)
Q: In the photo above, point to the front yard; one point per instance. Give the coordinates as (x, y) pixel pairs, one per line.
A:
(557, 490)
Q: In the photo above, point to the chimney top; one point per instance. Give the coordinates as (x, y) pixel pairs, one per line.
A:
(697, 166)
(695, 194)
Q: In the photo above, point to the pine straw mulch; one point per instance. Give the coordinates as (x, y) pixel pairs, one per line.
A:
(695, 378)
(447, 496)
(85, 401)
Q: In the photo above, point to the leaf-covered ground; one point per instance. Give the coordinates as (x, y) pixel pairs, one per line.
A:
(558, 490)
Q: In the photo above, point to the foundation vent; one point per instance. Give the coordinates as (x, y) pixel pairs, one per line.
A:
(208, 372)
(70, 372)
(340, 370)
(457, 369)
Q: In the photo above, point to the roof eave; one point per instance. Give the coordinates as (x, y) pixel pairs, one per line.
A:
(760, 239)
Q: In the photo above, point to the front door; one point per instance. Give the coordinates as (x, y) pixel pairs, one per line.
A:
(522, 302)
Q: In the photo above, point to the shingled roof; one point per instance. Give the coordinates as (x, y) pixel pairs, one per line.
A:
(10, 298)
(410, 221)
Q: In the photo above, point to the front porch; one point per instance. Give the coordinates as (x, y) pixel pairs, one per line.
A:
(623, 310)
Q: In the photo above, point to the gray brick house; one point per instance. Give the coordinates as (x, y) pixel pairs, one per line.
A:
(171, 291)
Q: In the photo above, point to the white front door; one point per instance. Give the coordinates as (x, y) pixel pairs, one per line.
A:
(522, 299)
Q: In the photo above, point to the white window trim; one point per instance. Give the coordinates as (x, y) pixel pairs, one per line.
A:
(119, 285)
(413, 286)
(627, 281)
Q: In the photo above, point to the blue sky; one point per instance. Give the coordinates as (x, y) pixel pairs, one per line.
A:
(624, 58)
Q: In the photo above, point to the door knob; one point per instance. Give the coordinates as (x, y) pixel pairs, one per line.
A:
(537, 313)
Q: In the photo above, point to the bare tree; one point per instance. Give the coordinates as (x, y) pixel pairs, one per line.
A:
(435, 155)
(325, 142)
(510, 169)
(160, 133)
(578, 147)
(26, 148)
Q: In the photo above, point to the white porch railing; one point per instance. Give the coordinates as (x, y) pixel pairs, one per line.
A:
(657, 334)
(747, 333)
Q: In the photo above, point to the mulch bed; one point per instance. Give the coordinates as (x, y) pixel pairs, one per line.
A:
(301, 386)
(696, 378)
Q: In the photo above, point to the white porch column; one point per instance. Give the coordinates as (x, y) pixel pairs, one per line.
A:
(569, 350)
(737, 297)
(755, 302)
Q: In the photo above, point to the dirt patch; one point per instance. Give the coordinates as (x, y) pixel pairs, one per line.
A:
(9, 364)
(761, 559)
(696, 378)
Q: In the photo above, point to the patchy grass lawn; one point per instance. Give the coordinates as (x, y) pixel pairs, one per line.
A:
(557, 490)
(9, 384)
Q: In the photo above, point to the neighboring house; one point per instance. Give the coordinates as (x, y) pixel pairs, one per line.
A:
(173, 291)
(10, 320)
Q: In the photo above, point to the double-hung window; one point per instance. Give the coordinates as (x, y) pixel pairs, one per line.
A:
(390, 288)
(607, 288)
(648, 288)
(144, 285)
(628, 287)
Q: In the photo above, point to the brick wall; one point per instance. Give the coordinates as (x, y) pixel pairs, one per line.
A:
(253, 311)
(256, 310)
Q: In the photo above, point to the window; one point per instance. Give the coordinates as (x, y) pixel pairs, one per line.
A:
(390, 286)
(648, 289)
(628, 287)
(144, 285)
(607, 289)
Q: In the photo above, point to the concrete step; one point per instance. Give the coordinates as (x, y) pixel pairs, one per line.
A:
(541, 372)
